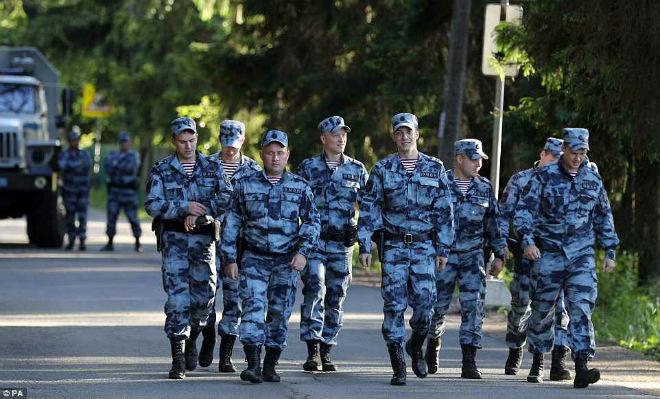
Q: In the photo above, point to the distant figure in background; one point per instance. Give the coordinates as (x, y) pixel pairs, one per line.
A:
(122, 168)
(74, 166)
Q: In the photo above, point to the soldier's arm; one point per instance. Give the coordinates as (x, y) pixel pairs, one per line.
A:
(88, 161)
(444, 217)
(527, 210)
(370, 209)
(61, 162)
(221, 198)
(155, 203)
(364, 176)
(310, 229)
(302, 171)
(604, 225)
(507, 205)
(233, 220)
(492, 227)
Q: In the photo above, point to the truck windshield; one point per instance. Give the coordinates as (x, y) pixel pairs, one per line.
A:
(17, 98)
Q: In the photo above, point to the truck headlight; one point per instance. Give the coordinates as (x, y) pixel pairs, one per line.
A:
(40, 182)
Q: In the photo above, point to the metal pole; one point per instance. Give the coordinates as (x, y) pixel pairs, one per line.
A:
(497, 122)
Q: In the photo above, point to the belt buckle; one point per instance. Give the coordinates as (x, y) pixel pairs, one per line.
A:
(407, 238)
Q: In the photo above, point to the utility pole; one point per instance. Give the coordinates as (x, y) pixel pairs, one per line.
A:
(499, 116)
(450, 118)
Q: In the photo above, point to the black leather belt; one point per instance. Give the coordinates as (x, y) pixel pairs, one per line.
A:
(178, 227)
(408, 238)
(333, 236)
(258, 251)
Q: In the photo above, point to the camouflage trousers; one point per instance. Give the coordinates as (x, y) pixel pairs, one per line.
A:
(521, 291)
(553, 273)
(189, 279)
(325, 281)
(76, 203)
(466, 269)
(267, 287)
(231, 304)
(128, 201)
(407, 279)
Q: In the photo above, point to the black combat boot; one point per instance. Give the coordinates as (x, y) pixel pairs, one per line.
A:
(226, 348)
(138, 246)
(253, 357)
(191, 350)
(583, 374)
(109, 246)
(432, 353)
(270, 360)
(82, 246)
(558, 370)
(326, 363)
(536, 372)
(208, 344)
(398, 361)
(313, 359)
(69, 246)
(414, 350)
(513, 362)
(469, 369)
(178, 371)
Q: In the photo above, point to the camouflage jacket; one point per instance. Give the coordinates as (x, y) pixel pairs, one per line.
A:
(74, 166)
(122, 170)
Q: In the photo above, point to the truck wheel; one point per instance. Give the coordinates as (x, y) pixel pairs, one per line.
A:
(45, 222)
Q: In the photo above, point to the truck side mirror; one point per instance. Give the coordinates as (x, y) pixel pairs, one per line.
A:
(67, 102)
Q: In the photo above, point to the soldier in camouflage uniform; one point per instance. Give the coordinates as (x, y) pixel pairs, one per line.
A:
(518, 317)
(122, 168)
(236, 165)
(337, 182)
(268, 207)
(475, 215)
(562, 211)
(187, 191)
(74, 165)
(407, 200)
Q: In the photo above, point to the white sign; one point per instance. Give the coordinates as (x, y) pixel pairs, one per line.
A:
(492, 19)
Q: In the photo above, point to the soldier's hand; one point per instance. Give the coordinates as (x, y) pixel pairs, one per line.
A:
(507, 253)
(298, 262)
(608, 265)
(189, 222)
(196, 209)
(365, 260)
(440, 262)
(496, 267)
(231, 271)
(532, 252)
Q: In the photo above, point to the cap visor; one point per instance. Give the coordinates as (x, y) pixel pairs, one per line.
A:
(274, 141)
(231, 143)
(339, 127)
(410, 125)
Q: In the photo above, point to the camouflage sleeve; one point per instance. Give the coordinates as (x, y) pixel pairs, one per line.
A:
(61, 161)
(364, 176)
(157, 206)
(310, 229)
(604, 225)
(527, 210)
(233, 220)
(443, 212)
(107, 166)
(302, 171)
(494, 235)
(88, 162)
(222, 197)
(370, 209)
(507, 205)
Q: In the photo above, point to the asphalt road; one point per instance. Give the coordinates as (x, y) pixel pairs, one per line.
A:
(90, 325)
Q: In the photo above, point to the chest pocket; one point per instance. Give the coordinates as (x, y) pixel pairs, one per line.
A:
(206, 187)
(349, 190)
(475, 208)
(427, 191)
(586, 203)
(255, 205)
(394, 192)
(173, 191)
(290, 206)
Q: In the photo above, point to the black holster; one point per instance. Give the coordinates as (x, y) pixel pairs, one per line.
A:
(378, 237)
(350, 236)
(241, 244)
(157, 227)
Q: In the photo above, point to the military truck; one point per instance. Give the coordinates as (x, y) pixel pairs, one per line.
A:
(30, 123)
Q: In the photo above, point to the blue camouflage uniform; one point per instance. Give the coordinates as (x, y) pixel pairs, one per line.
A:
(562, 215)
(189, 273)
(415, 212)
(74, 165)
(518, 317)
(475, 215)
(122, 169)
(329, 268)
(269, 218)
(230, 133)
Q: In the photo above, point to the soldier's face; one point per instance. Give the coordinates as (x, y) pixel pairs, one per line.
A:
(230, 152)
(334, 142)
(74, 143)
(547, 157)
(405, 138)
(125, 145)
(469, 167)
(573, 159)
(185, 144)
(274, 157)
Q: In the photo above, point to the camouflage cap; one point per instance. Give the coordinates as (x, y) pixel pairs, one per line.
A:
(232, 133)
(333, 124)
(73, 135)
(274, 136)
(472, 148)
(576, 138)
(181, 124)
(404, 119)
(124, 136)
(553, 145)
